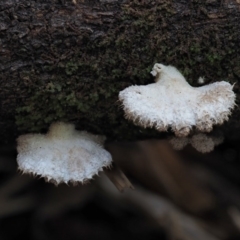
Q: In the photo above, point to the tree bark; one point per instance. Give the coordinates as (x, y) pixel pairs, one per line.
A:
(67, 60)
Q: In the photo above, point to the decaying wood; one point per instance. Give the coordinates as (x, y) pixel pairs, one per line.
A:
(118, 178)
(159, 168)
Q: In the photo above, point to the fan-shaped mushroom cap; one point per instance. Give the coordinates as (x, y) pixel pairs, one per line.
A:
(172, 102)
(63, 154)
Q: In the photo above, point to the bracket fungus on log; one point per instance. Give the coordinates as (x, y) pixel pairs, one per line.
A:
(171, 102)
(201, 142)
(63, 154)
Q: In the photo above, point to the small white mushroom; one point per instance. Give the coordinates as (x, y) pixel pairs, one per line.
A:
(63, 154)
(171, 102)
(201, 142)
(179, 143)
(201, 80)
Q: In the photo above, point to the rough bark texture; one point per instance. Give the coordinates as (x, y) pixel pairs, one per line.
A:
(66, 61)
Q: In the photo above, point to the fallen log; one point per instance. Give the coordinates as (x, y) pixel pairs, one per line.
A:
(67, 60)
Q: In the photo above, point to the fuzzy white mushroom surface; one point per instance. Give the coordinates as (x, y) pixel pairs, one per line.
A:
(171, 102)
(63, 154)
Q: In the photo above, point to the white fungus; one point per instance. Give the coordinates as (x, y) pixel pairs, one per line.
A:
(63, 154)
(179, 143)
(171, 102)
(201, 80)
(201, 142)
